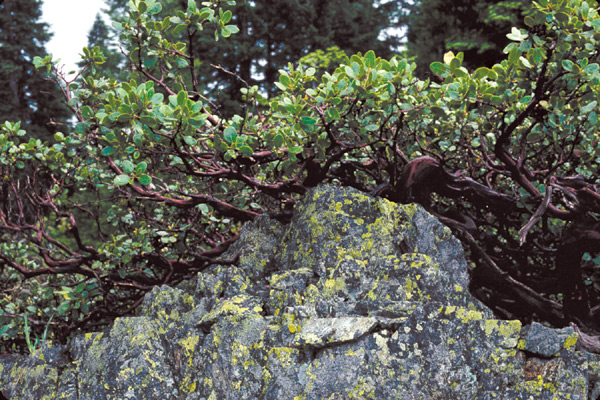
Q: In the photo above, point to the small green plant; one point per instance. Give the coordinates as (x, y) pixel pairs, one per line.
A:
(32, 347)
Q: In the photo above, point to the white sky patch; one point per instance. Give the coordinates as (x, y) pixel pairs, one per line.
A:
(70, 21)
(397, 33)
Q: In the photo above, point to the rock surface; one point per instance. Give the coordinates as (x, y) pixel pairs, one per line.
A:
(357, 298)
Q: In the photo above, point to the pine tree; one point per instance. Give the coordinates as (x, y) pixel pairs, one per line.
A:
(25, 93)
(476, 28)
(101, 36)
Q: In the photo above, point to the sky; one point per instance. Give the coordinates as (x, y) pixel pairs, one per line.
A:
(70, 21)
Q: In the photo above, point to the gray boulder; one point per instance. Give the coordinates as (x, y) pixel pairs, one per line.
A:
(357, 298)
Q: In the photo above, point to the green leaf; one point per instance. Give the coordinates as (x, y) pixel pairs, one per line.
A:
(229, 134)
(147, 120)
(285, 80)
(534, 136)
(155, 9)
(81, 127)
(181, 98)
(181, 63)
(278, 140)
(280, 86)
(370, 59)
(295, 150)
(190, 141)
(568, 65)
(107, 151)
(128, 166)
(562, 17)
(125, 109)
(142, 7)
(233, 29)
(141, 167)
(356, 68)
(124, 118)
(585, 9)
(591, 68)
(38, 62)
(497, 100)
(350, 72)
(157, 98)
(372, 127)
(485, 72)
(529, 21)
(308, 121)
(226, 17)
(513, 55)
(145, 179)
(245, 150)
(225, 32)
(439, 68)
(454, 64)
(332, 113)
(86, 112)
(589, 107)
(121, 180)
(59, 137)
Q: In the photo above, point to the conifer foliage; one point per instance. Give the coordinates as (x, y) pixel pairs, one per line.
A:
(476, 28)
(27, 95)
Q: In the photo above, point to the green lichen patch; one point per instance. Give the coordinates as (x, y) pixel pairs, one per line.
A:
(32, 379)
(167, 305)
(235, 308)
(505, 333)
(146, 374)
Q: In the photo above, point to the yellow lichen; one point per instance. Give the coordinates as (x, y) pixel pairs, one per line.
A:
(570, 341)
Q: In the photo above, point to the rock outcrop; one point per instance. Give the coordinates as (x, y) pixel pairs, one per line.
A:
(357, 298)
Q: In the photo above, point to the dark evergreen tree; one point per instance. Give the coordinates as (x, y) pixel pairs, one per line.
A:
(476, 28)
(101, 36)
(25, 93)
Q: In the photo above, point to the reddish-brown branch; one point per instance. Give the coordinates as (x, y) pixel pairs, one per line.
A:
(193, 200)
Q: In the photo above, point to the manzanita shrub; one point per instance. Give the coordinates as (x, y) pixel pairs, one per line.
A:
(151, 185)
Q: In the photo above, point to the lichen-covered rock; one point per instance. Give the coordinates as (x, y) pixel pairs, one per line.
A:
(357, 298)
